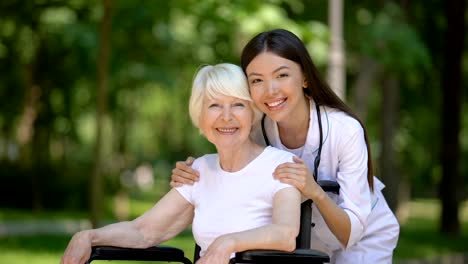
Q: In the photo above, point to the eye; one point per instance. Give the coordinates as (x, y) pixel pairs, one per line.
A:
(254, 81)
(239, 104)
(213, 105)
(283, 75)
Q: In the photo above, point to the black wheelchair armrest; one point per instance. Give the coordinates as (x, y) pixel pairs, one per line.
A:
(298, 256)
(330, 186)
(156, 253)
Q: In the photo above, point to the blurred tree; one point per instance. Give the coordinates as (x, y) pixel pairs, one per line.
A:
(97, 196)
(387, 33)
(336, 61)
(451, 83)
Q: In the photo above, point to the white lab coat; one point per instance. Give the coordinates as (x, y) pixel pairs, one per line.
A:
(374, 228)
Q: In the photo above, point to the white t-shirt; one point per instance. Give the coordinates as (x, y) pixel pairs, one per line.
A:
(227, 202)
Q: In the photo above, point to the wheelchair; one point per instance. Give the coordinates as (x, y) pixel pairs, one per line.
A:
(301, 255)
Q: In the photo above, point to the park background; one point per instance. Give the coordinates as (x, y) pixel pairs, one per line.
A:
(93, 107)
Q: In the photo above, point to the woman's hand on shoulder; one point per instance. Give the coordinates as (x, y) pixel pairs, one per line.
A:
(183, 173)
(78, 250)
(219, 252)
(298, 174)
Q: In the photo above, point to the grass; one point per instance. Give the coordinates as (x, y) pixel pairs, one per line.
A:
(418, 239)
(42, 249)
(419, 236)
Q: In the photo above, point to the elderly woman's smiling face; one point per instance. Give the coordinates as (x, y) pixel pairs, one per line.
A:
(226, 121)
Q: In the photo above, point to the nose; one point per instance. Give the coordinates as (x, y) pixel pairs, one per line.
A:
(227, 113)
(272, 87)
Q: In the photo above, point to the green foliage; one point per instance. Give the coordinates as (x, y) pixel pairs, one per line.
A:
(393, 38)
(393, 42)
(156, 46)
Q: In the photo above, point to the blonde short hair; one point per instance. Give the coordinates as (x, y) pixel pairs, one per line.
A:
(220, 79)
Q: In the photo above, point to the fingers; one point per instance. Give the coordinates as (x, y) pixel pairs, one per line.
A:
(183, 173)
(72, 260)
(294, 168)
(296, 182)
(295, 178)
(295, 174)
(175, 184)
(186, 168)
(298, 160)
(78, 250)
(190, 161)
(183, 177)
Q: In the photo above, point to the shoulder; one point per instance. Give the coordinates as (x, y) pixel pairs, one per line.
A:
(341, 123)
(205, 160)
(278, 155)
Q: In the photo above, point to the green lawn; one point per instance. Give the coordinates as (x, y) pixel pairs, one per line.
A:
(418, 238)
(44, 249)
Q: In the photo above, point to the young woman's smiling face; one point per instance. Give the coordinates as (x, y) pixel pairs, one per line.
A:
(276, 85)
(226, 121)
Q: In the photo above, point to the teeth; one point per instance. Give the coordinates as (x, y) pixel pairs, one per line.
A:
(227, 130)
(276, 103)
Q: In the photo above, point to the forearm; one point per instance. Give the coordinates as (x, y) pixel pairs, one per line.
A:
(153, 227)
(335, 217)
(166, 219)
(122, 234)
(272, 236)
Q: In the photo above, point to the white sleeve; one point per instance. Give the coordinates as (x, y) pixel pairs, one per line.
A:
(278, 186)
(186, 191)
(354, 187)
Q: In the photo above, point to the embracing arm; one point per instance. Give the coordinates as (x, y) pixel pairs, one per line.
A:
(346, 221)
(279, 235)
(299, 175)
(153, 227)
(336, 217)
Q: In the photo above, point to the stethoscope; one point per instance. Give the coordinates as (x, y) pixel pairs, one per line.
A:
(319, 151)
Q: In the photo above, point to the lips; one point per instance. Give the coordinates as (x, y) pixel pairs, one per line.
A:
(276, 104)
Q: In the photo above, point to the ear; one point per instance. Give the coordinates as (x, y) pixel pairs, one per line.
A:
(305, 83)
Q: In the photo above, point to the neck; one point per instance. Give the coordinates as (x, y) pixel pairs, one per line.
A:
(293, 132)
(235, 159)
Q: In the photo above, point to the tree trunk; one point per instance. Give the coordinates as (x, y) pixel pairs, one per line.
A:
(368, 72)
(25, 133)
(97, 197)
(452, 182)
(388, 168)
(336, 66)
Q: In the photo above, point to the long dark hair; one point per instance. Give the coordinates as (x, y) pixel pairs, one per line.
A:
(287, 45)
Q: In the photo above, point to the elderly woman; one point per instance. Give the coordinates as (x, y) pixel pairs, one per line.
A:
(236, 205)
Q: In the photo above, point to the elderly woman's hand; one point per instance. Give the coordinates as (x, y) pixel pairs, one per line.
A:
(298, 174)
(219, 252)
(78, 250)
